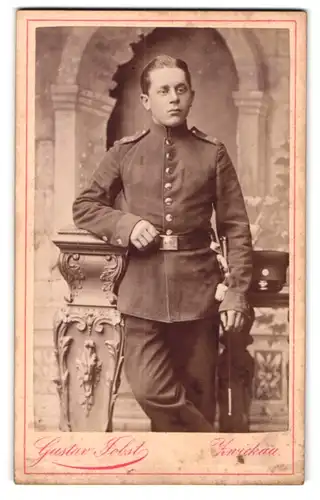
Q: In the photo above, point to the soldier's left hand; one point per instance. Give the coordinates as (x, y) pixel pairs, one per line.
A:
(232, 320)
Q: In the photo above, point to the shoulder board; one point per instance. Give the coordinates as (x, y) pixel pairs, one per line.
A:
(205, 137)
(133, 138)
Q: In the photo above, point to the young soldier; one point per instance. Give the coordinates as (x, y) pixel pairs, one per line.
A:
(172, 179)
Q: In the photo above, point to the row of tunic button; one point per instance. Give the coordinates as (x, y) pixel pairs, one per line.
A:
(168, 200)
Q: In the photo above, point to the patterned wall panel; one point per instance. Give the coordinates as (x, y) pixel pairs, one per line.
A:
(268, 375)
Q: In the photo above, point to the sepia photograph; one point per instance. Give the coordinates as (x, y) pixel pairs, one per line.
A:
(161, 231)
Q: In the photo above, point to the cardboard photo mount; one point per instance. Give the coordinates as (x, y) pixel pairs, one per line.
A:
(47, 455)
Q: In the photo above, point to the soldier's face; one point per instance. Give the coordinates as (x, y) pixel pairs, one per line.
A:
(169, 98)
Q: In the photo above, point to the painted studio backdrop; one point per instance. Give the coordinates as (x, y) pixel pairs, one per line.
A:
(87, 96)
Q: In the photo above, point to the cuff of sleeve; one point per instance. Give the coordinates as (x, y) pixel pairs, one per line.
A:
(236, 301)
(124, 228)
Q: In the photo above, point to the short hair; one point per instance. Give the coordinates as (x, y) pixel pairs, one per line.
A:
(162, 61)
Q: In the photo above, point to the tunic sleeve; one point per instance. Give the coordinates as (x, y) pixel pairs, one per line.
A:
(93, 208)
(233, 223)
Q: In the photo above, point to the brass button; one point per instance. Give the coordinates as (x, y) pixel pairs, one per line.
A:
(169, 232)
(170, 155)
(169, 217)
(168, 141)
(168, 201)
(168, 185)
(119, 241)
(168, 170)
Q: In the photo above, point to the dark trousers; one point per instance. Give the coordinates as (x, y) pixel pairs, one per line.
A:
(171, 369)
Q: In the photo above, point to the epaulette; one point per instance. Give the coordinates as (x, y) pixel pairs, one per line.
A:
(133, 138)
(205, 137)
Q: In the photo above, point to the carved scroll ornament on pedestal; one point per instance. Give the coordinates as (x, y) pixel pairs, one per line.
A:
(72, 273)
(111, 275)
(88, 368)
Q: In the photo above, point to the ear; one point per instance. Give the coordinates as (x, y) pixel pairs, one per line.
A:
(145, 101)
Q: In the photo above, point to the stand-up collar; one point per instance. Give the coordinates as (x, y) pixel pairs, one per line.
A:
(168, 132)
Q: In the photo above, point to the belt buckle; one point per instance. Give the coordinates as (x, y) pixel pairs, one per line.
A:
(169, 242)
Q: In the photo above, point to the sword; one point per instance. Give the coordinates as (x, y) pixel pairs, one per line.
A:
(224, 251)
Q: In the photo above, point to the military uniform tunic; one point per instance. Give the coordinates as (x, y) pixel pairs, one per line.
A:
(174, 178)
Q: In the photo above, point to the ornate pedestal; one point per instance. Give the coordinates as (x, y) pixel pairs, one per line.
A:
(88, 338)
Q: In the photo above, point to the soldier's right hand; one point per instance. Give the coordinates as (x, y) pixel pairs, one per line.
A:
(143, 234)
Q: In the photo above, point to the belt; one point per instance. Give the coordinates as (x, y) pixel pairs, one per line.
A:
(192, 241)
